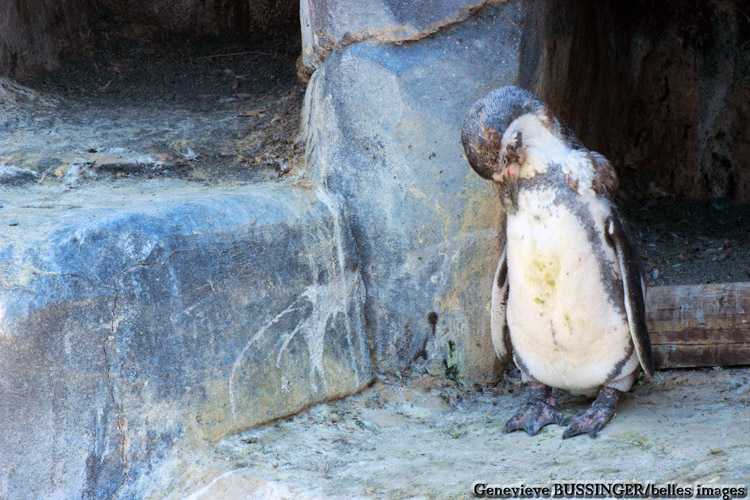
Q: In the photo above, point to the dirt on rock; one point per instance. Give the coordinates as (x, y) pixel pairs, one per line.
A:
(685, 241)
(143, 105)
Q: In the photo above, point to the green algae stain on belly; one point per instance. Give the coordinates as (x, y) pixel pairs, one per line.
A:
(541, 274)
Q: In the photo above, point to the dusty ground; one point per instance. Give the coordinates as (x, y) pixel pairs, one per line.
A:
(143, 105)
(426, 438)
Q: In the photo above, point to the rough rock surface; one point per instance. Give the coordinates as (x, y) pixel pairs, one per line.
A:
(35, 32)
(133, 326)
(382, 127)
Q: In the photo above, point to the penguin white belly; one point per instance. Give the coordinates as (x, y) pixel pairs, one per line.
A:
(566, 326)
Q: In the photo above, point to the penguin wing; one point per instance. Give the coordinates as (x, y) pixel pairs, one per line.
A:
(498, 321)
(634, 289)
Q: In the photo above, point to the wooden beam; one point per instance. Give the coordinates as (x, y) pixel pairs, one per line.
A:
(699, 325)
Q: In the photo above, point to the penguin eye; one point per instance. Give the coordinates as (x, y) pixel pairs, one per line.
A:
(512, 150)
(502, 159)
(511, 154)
(517, 140)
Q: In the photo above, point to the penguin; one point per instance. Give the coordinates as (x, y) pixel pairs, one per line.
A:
(568, 291)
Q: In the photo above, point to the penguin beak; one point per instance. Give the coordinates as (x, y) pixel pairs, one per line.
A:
(510, 159)
(509, 171)
(506, 179)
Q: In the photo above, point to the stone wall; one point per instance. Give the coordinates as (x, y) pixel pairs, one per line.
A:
(34, 33)
(384, 108)
(238, 18)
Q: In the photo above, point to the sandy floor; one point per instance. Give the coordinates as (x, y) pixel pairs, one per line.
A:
(427, 439)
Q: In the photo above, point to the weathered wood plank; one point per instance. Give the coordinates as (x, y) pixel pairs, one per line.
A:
(697, 335)
(690, 356)
(699, 325)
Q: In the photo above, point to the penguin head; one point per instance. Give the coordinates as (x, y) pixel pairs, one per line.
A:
(492, 146)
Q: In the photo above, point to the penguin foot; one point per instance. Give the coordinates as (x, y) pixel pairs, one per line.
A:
(591, 420)
(539, 411)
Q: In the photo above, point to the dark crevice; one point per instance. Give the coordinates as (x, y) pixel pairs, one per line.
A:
(46, 33)
(116, 406)
(669, 73)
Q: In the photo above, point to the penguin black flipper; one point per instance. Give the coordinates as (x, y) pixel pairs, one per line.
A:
(498, 320)
(634, 290)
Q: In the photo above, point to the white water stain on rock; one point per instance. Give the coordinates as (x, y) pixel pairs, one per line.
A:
(328, 300)
(339, 296)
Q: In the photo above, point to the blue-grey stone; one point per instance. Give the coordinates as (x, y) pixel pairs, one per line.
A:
(382, 123)
(333, 24)
(17, 176)
(141, 319)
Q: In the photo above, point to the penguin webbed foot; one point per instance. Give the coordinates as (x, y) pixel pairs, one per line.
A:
(539, 411)
(593, 419)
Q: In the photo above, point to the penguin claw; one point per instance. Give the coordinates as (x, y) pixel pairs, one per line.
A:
(540, 411)
(586, 423)
(594, 418)
(533, 418)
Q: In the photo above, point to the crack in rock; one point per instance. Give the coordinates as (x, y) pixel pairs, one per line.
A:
(317, 44)
(121, 421)
(110, 386)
